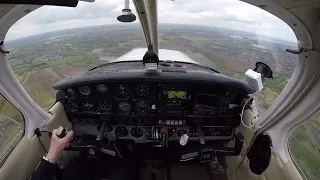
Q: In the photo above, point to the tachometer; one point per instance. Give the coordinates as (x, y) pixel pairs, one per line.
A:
(122, 92)
(121, 131)
(101, 88)
(142, 90)
(136, 132)
(124, 107)
(104, 105)
(84, 90)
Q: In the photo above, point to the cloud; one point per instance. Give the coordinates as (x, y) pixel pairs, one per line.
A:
(222, 13)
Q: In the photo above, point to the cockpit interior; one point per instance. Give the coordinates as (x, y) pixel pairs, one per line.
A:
(178, 118)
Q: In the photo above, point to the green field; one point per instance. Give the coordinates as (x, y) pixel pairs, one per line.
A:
(37, 78)
(70, 59)
(8, 110)
(10, 122)
(304, 145)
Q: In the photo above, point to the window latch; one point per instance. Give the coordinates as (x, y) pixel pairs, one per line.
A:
(1, 49)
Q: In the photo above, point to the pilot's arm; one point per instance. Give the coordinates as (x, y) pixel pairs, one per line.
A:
(47, 169)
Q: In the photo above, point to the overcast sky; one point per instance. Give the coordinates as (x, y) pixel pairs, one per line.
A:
(222, 13)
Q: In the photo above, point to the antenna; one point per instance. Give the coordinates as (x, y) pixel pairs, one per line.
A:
(126, 16)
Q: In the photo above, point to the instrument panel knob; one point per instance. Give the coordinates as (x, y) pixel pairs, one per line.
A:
(184, 139)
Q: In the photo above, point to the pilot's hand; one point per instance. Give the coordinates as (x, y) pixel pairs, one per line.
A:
(58, 144)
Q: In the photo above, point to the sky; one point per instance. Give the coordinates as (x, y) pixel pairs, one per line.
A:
(231, 14)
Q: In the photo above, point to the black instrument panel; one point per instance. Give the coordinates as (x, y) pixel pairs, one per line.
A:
(139, 110)
(127, 103)
(149, 99)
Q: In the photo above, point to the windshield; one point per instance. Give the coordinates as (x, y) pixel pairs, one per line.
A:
(52, 43)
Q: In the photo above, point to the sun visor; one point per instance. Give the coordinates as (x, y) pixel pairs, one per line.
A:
(68, 3)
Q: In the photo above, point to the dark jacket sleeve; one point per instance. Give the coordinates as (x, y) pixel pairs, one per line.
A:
(45, 171)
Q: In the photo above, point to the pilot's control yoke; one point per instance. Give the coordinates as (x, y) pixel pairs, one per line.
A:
(61, 132)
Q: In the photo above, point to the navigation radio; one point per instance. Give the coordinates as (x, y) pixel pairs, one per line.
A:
(210, 104)
(175, 100)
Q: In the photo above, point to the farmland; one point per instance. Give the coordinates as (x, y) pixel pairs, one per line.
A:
(304, 146)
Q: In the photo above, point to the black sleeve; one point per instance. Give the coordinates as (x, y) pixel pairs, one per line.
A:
(45, 171)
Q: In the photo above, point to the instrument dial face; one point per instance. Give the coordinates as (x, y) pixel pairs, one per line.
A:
(142, 106)
(136, 132)
(102, 89)
(84, 90)
(87, 105)
(142, 90)
(104, 105)
(124, 107)
(121, 131)
(122, 92)
(70, 92)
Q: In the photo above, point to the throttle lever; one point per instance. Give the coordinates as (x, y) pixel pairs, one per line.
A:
(112, 139)
(102, 131)
(200, 134)
(61, 132)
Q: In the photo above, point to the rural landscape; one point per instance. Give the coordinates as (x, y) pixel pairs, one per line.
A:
(40, 61)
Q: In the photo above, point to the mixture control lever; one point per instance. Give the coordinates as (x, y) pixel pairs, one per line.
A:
(112, 139)
(61, 132)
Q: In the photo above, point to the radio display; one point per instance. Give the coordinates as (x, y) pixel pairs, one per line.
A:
(207, 100)
(177, 94)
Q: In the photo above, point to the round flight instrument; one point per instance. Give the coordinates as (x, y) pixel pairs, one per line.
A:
(87, 105)
(142, 106)
(122, 92)
(124, 107)
(121, 131)
(70, 92)
(104, 105)
(101, 88)
(142, 90)
(136, 132)
(84, 90)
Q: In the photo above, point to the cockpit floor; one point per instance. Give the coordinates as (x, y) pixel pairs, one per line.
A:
(185, 172)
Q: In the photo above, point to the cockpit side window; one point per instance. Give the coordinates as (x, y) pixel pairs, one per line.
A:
(11, 128)
(304, 147)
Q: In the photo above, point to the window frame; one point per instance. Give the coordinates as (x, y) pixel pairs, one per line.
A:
(288, 140)
(22, 134)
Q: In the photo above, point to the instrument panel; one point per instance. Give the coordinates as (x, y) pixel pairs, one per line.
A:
(140, 111)
(123, 105)
(155, 99)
